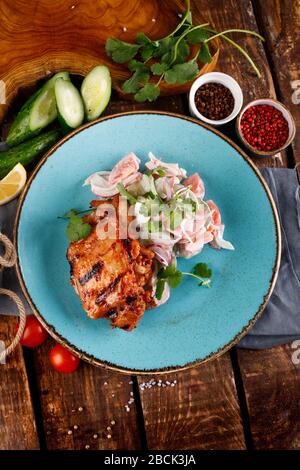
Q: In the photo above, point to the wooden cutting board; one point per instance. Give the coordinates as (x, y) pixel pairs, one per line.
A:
(40, 37)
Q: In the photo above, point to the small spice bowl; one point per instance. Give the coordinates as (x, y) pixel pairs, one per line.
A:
(282, 144)
(216, 78)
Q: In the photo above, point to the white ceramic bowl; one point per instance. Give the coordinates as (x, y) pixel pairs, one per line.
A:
(228, 82)
(286, 114)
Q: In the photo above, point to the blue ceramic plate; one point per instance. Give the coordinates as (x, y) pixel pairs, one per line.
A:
(196, 323)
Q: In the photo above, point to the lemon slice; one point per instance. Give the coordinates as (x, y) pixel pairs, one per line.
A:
(12, 184)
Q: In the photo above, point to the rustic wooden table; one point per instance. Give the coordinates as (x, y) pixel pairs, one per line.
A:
(242, 400)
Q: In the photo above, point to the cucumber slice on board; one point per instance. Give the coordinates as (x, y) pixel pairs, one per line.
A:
(20, 130)
(69, 104)
(51, 82)
(43, 110)
(96, 91)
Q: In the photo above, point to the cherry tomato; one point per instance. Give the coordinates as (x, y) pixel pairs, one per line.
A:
(63, 360)
(34, 334)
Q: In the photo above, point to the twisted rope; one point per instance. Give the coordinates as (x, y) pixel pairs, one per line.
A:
(10, 256)
(6, 261)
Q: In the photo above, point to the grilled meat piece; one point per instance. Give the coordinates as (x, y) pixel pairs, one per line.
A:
(110, 276)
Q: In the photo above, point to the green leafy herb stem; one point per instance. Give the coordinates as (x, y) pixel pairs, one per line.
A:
(173, 277)
(170, 57)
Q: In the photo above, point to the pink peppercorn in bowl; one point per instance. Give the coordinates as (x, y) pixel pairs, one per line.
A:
(265, 127)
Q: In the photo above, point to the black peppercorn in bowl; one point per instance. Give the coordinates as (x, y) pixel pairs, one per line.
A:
(265, 127)
(215, 98)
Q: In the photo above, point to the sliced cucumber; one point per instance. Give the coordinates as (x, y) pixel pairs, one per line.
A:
(96, 91)
(43, 110)
(69, 104)
(20, 130)
(51, 82)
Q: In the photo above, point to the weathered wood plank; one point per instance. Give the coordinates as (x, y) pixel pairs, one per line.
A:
(272, 387)
(280, 22)
(81, 410)
(271, 380)
(17, 421)
(199, 411)
(240, 14)
(167, 103)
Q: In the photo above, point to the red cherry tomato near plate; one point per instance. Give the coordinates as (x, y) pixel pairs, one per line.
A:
(34, 334)
(63, 360)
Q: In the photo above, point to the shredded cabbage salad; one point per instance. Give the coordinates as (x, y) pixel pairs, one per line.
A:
(171, 215)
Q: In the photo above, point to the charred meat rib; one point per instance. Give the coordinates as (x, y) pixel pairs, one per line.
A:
(110, 276)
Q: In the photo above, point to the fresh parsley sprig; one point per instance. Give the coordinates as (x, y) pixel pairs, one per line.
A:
(173, 277)
(169, 57)
(77, 229)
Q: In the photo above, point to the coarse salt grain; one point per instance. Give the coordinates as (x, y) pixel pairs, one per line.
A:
(159, 383)
(105, 383)
(70, 431)
(112, 422)
(80, 408)
(153, 20)
(75, 426)
(87, 446)
(108, 436)
(108, 428)
(124, 28)
(95, 436)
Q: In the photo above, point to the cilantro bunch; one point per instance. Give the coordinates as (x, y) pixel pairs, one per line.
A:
(170, 57)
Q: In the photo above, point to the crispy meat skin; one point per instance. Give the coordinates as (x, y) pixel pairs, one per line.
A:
(110, 276)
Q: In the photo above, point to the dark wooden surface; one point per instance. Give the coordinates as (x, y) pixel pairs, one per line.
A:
(245, 399)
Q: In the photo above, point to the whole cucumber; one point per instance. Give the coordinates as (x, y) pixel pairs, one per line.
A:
(27, 152)
(21, 130)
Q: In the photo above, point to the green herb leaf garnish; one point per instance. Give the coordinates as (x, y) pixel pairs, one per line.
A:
(197, 36)
(76, 229)
(120, 51)
(169, 53)
(181, 73)
(204, 54)
(159, 69)
(132, 85)
(171, 275)
(160, 287)
(149, 92)
(202, 270)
